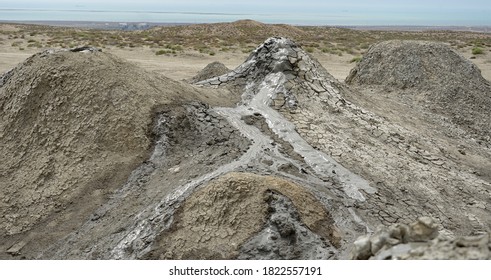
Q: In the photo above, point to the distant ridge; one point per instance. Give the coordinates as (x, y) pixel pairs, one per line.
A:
(241, 30)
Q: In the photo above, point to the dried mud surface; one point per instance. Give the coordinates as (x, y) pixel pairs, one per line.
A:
(216, 221)
(72, 129)
(275, 159)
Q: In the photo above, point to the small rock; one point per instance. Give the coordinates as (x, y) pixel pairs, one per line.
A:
(424, 229)
(362, 248)
(378, 241)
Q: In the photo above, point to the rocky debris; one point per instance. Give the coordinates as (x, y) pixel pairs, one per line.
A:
(422, 230)
(460, 248)
(227, 218)
(15, 249)
(420, 240)
(433, 75)
(211, 70)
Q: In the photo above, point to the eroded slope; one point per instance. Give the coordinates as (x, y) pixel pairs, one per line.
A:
(73, 126)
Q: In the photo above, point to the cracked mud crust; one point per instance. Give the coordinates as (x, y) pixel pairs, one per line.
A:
(215, 221)
(275, 159)
(73, 126)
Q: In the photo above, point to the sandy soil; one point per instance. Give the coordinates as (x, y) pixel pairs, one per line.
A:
(186, 65)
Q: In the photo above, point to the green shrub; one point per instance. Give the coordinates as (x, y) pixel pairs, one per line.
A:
(356, 59)
(161, 52)
(35, 45)
(477, 50)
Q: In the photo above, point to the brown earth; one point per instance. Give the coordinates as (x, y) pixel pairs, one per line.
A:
(215, 221)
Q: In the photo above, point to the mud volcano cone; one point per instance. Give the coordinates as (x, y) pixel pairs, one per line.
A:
(282, 62)
(73, 125)
(433, 74)
(211, 70)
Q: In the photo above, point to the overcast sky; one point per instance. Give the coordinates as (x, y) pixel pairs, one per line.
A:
(457, 11)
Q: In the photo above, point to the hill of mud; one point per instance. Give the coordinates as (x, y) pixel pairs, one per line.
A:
(433, 75)
(125, 164)
(74, 124)
(414, 168)
(211, 70)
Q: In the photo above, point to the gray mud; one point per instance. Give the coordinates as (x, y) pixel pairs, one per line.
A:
(285, 237)
(294, 171)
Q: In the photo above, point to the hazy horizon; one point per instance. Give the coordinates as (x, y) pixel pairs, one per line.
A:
(350, 12)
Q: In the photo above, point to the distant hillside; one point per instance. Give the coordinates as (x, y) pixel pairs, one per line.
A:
(234, 30)
(242, 31)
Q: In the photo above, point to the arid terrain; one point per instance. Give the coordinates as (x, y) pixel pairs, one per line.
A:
(302, 143)
(185, 50)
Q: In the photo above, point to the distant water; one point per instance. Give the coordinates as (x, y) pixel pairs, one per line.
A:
(356, 18)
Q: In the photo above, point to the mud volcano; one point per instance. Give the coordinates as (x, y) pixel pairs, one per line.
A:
(107, 161)
(432, 74)
(211, 70)
(74, 124)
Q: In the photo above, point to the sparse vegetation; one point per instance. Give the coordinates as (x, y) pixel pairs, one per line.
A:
(477, 50)
(161, 52)
(356, 59)
(242, 36)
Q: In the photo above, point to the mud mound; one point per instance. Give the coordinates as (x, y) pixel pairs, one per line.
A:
(417, 65)
(282, 64)
(211, 70)
(383, 170)
(432, 73)
(226, 219)
(73, 126)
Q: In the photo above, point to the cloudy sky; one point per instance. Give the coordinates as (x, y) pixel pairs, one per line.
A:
(445, 12)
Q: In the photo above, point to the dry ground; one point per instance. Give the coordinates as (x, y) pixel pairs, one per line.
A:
(407, 152)
(184, 50)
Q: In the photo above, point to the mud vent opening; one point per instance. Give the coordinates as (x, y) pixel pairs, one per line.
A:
(285, 236)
